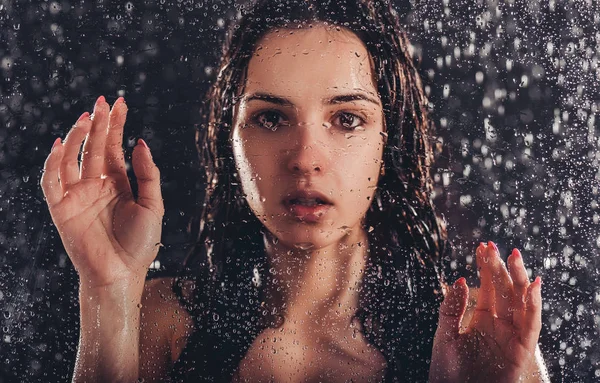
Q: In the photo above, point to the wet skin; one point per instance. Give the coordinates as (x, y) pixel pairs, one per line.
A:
(112, 237)
(310, 117)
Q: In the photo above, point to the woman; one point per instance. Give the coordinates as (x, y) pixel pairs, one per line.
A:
(318, 255)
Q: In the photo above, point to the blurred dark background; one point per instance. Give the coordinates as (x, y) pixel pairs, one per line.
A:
(514, 88)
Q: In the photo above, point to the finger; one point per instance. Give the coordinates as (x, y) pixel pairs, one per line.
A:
(503, 287)
(485, 299)
(50, 183)
(92, 163)
(452, 310)
(69, 167)
(518, 274)
(148, 178)
(115, 159)
(530, 332)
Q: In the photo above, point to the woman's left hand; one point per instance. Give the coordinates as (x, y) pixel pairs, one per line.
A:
(499, 343)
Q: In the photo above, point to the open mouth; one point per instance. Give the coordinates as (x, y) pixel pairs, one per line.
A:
(308, 210)
(306, 202)
(307, 205)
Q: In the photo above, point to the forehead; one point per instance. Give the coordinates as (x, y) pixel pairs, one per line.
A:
(310, 62)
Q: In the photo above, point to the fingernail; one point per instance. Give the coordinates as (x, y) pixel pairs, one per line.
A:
(83, 115)
(516, 253)
(100, 99)
(56, 143)
(460, 281)
(480, 248)
(120, 99)
(143, 143)
(490, 243)
(538, 279)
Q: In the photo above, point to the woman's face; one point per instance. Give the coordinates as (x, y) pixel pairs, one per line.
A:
(309, 119)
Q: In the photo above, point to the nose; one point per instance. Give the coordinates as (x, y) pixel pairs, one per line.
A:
(309, 153)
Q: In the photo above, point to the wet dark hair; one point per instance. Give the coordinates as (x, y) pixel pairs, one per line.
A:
(401, 289)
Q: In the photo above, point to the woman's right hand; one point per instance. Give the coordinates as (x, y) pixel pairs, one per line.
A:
(110, 237)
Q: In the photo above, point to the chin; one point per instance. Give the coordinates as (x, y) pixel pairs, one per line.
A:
(309, 236)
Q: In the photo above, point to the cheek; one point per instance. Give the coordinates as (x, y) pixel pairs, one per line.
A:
(360, 169)
(252, 158)
(244, 165)
(240, 155)
(254, 169)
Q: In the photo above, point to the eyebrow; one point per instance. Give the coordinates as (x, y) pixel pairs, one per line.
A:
(339, 99)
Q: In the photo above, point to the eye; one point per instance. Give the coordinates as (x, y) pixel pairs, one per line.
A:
(349, 121)
(269, 120)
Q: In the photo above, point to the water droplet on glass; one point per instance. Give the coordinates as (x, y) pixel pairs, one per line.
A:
(304, 245)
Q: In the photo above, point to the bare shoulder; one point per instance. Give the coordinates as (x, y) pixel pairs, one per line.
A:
(165, 326)
(159, 293)
(163, 310)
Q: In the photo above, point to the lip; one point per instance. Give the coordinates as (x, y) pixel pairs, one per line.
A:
(306, 194)
(307, 213)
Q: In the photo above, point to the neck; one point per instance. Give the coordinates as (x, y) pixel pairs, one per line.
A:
(315, 285)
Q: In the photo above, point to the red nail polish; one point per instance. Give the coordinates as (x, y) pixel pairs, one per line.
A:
(120, 99)
(143, 143)
(83, 115)
(56, 143)
(516, 253)
(490, 243)
(100, 99)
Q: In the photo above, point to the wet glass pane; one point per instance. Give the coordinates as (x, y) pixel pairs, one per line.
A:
(512, 97)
